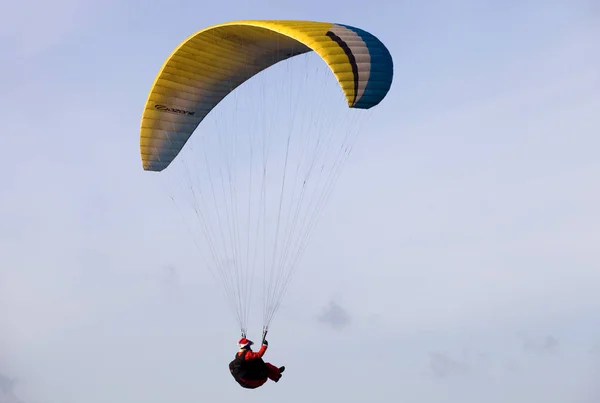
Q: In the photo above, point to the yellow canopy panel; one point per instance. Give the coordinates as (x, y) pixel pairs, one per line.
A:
(211, 63)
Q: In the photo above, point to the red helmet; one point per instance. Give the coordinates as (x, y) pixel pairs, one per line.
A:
(244, 342)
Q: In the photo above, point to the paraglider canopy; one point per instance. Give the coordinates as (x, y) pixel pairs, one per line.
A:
(210, 64)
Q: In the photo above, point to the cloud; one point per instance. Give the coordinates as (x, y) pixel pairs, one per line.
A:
(6, 383)
(512, 366)
(548, 345)
(335, 316)
(170, 277)
(444, 366)
(7, 392)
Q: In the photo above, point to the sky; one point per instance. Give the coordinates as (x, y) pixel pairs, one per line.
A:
(456, 261)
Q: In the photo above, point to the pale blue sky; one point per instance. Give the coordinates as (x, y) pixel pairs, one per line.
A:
(465, 230)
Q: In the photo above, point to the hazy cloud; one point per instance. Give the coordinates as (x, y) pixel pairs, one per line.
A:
(512, 366)
(335, 316)
(548, 345)
(6, 383)
(7, 390)
(170, 277)
(444, 366)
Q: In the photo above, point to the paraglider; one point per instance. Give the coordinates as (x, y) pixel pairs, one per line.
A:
(251, 211)
(248, 367)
